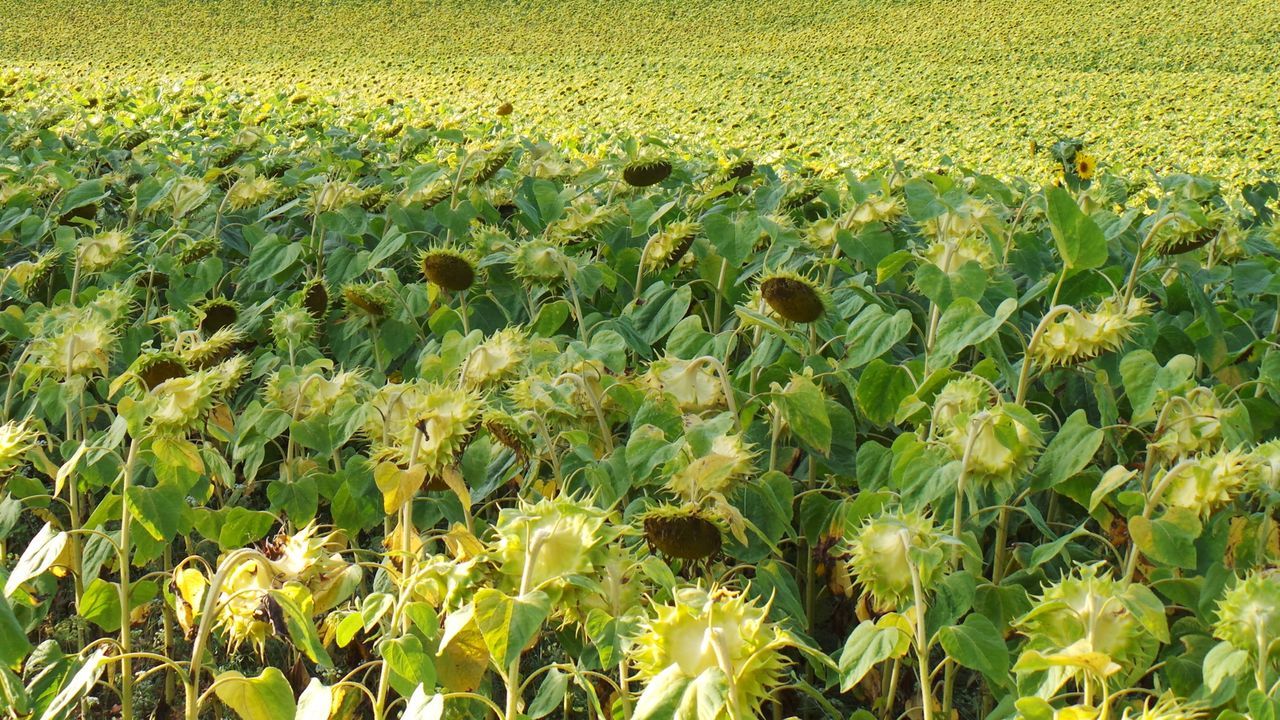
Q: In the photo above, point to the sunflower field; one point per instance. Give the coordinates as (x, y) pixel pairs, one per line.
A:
(411, 373)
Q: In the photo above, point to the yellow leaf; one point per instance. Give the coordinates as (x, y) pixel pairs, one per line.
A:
(398, 486)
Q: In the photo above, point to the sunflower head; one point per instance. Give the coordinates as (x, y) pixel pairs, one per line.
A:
(32, 276)
(495, 360)
(1086, 165)
(1251, 610)
(291, 325)
(508, 431)
(449, 269)
(1209, 482)
(882, 552)
(794, 296)
(15, 439)
(97, 253)
(370, 301)
(670, 244)
(154, 367)
(646, 172)
(542, 545)
(315, 298)
(682, 531)
(1192, 424)
(694, 384)
(251, 191)
(715, 631)
(1084, 621)
(211, 350)
(1002, 441)
(218, 313)
(539, 262)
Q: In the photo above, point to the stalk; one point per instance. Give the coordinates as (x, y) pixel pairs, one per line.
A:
(922, 649)
(126, 637)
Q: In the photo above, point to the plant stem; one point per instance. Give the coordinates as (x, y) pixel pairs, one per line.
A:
(922, 647)
(126, 638)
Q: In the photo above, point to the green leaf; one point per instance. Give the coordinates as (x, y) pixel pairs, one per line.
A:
(550, 695)
(1170, 539)
(296, 604)
(1080, 241)
(873, 333)
(976, 644)
(663, 696)
(100, 603)
(411, 665)
(79, 684)
(881, 389)
(870, 643)
(1068, 453)
(964, 324)
(508, 623)
(13, 640)
(1222, 662)
(40, 555)
(804, 408)
(265, 697)
(157, 509)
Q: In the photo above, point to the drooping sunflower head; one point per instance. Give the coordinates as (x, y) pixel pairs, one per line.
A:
(508, 431)
(372, 302)
(32, 276)
(542, 545)
(682, 531)
(646, 172)
(74, 342)
(1002, 442)
(718, 465)
(1089, 612)
(313, 560)
(448, 268)
(154, 367)
(1078, 336)
(1192, 424)
(1251, 610)
(251, 191)
(292, 325)
(539, 262)
(15, 439)
(716, 630)
(960, 398)
(794, 296)
(204, 352)
(437, 418)
(495, 360)
(1209, 482)
(218, 313)
(99, 252)
(181, 404)
(669, 245)
(886, 551)
(694, 384)
(313, 390)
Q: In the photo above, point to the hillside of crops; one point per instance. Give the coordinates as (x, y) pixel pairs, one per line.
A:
(498, 361)
(1188, 85)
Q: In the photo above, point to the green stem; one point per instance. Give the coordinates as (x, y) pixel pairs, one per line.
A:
(126, 635)
(922, 647)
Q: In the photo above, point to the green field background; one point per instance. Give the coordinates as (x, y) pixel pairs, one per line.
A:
(1189, 85)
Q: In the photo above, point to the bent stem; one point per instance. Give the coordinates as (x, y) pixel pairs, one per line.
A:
(192, 681)
(1024, 375)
